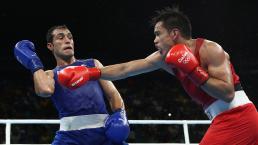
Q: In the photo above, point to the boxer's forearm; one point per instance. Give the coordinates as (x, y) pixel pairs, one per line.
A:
(114, 72)
(125, 70)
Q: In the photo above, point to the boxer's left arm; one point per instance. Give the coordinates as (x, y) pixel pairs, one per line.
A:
(116, 125)
(220, 83)
(113, 96)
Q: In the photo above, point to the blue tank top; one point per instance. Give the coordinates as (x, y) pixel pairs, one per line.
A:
(87, 99)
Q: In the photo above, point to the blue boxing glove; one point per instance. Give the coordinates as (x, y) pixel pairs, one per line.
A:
(117, 126)
(24, 52)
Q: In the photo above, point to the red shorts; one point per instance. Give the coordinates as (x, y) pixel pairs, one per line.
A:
(238, 126)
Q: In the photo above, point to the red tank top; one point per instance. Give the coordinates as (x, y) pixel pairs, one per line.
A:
(196, 93)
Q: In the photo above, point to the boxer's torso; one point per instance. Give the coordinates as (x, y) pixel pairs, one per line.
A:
(196, 93)
(88, 99)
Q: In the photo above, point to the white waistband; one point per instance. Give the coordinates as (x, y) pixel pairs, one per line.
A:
(220, 106)
(82, 122)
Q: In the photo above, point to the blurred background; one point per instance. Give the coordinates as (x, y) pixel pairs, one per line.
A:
(114, 31)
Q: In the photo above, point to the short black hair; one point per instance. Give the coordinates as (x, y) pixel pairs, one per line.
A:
(49, 35)
(173, 18)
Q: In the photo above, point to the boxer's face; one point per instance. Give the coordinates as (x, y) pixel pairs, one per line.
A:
(163, 40)
(62, 45)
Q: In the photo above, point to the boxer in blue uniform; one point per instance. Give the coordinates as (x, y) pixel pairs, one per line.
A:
(84, 119)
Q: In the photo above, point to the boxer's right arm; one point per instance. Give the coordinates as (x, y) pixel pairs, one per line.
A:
(132, 68)
(44, 83)
(25, 53)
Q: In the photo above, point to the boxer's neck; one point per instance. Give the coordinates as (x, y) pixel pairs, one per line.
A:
(63, 62)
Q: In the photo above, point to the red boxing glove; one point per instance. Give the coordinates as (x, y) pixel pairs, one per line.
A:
(75, 76)
(181, 57)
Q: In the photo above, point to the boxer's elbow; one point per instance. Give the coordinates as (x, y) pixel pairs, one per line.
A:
(229, 93)
(223, 91)
(44, 94)
(44, 91)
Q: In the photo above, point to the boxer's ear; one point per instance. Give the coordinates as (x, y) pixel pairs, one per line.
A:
(174, 33)
(50, 46)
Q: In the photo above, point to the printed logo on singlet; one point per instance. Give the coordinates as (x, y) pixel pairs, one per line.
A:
(184, 58)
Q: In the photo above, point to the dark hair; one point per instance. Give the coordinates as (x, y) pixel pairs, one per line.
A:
(49, 35)
(173, 18)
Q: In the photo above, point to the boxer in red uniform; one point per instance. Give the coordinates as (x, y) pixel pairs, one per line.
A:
(205, 72)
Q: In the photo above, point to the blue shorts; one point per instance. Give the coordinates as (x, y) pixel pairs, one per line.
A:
(94, 136)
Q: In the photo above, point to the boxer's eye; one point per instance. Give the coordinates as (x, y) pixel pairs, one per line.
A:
(60, 36)
(70, 36)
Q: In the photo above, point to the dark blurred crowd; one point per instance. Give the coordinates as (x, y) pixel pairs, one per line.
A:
(152, 96)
